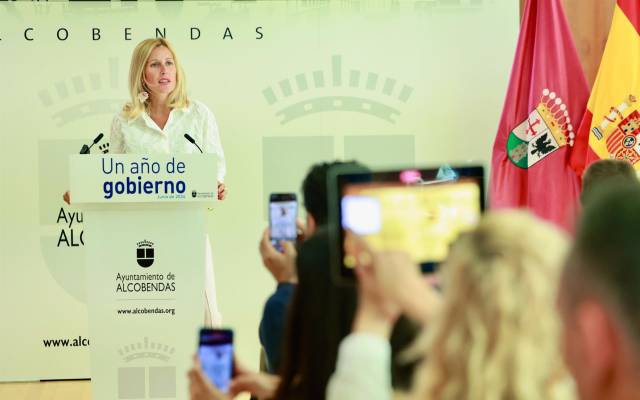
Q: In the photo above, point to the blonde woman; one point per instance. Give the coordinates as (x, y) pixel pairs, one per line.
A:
(492, 335)
(156, 119)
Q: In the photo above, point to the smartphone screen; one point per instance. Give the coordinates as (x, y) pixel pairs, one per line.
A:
(283, 211)
(216, 356)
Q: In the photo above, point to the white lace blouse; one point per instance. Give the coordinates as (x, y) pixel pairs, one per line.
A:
(143, 136)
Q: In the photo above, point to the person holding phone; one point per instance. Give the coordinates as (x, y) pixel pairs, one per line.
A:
(155, 121)
(280, 262)
(493, 333)
(320, 316)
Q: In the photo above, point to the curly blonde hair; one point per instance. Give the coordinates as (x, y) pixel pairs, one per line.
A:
(497, 334)
(177, 98)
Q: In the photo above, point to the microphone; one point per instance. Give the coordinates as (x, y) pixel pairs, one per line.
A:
(192, 141)
(85, 149)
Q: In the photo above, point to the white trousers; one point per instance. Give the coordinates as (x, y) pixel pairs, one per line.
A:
(212, 316)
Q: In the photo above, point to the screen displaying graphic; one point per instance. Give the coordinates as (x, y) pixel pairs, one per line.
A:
(282, 216)
(418, 211)
(216, 356)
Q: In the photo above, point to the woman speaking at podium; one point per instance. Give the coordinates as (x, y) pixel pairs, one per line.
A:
(156, 120)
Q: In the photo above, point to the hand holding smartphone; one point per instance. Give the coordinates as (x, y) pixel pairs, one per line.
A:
(215, 351)
(283, 211)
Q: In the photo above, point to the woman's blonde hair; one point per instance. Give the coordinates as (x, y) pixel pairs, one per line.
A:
(177, 98)
(497, 334)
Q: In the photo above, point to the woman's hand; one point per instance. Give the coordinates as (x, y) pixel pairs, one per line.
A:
(259, 384)
(377, 308)
(281, 265)
(389, 282)
(200, 387)
(67, 197)
(222, 191)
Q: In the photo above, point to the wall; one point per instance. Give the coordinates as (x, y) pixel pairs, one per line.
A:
(390, 83)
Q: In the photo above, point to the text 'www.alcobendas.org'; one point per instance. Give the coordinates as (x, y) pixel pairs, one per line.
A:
(84, 342)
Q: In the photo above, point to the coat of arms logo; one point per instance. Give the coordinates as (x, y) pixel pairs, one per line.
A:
(145, 254)
(546, 129)
(620, 129)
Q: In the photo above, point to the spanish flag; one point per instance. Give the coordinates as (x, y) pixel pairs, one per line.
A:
(546, 97)
(610, 127)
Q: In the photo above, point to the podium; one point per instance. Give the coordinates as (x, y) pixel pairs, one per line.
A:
(145, 238)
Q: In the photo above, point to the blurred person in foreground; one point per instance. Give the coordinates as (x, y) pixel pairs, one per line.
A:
(606, 172)
(492, 335)
(320, 316)
(599, 300)
(282, 265)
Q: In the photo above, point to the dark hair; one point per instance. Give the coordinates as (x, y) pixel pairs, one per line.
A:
(314, 189)
(403, 336)
(320, 316)
(603, 172)
(605, 257)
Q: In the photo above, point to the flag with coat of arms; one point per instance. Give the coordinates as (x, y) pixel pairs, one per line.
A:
(546, 97)
(610, 128)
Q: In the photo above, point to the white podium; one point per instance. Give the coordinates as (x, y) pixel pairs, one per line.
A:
(144, 221)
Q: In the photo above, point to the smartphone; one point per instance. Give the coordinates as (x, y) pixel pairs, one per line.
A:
(283, 211)
(215, 351)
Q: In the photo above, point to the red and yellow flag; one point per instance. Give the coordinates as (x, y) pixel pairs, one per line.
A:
(610, 127)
